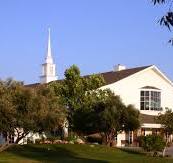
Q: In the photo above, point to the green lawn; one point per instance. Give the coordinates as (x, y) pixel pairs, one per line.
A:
(74, 153)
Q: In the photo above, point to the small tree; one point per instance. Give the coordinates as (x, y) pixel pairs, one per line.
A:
(166, 120)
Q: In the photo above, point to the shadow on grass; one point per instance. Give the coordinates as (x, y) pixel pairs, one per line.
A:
(49, 154)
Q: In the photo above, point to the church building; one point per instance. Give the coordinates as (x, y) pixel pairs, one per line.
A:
(148, 89)
(145, 87)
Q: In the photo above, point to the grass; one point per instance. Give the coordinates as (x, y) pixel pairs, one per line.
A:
(74, 154)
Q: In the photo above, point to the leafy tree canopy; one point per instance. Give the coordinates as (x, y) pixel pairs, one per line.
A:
(73, 89)
(166, 120)
(107, 115)
(167, 18)
(24, 110)
(91, 109)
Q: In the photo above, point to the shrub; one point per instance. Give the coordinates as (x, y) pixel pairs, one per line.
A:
(71, 138)
(94, 139)
(152, 143)
(29, 141)
(37, 141)
(51, 139)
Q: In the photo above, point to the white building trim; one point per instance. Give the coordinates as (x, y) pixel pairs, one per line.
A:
(151, 125)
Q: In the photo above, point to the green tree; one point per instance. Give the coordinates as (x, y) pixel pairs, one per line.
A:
(91, 109)
(24, 110)
(107, 115)
(52, 110)
(167, 18)
(131, 118)
(166, 120)
(74, 88)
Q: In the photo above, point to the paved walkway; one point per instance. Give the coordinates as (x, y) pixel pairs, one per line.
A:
(169, 151)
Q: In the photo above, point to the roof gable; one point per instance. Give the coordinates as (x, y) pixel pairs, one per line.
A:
(162, 75)
(114, 76)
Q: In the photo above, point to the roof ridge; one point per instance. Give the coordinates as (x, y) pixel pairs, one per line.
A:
(110, 76)
(114, 76)
(100, 73)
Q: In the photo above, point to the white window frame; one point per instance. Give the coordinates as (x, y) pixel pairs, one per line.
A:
(149, 101)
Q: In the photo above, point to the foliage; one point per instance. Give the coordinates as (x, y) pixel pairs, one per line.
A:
(94, 139)
(93, 110)
(52, 109)
(51, 139)
(29, 141)
(131, 118)
(72, 137)
(106, 115)
(37, 141)
(166, 120)
(72, 90)
(152, 143)
(158, 1)
(24, 109)
(167, 19)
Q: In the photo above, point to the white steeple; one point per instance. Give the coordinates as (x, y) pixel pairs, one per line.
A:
(49, 53)
(48, 68)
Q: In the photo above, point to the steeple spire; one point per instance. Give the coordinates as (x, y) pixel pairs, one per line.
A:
(49, 45)
(49, 58)
(48, 68)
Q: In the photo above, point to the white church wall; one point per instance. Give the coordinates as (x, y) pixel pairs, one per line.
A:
(129, 89)
(121, 137)
(151, 125)
(32, 137)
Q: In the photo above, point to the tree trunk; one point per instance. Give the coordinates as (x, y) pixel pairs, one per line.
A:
(17, 140)
(164, 150)
(6, 145)
(109, 137)
(20, 137)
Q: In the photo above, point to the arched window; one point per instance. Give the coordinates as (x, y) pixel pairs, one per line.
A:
(150, 98)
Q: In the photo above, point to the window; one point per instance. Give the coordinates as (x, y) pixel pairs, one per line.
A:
(130, 137)
(150, 100)
(51, 70)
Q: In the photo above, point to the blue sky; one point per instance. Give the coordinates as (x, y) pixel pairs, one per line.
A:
(93, 34)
